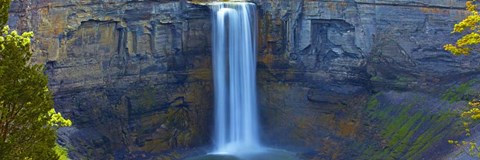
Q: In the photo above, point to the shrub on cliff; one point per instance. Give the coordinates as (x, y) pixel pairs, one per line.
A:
(27, 119)
(464, 46)
(471, 26)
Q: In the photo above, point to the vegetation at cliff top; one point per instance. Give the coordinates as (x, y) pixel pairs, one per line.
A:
(28, 121)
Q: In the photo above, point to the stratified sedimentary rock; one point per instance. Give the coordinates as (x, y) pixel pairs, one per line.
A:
(135, 76)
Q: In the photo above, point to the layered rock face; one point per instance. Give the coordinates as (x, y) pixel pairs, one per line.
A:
(134, 76)
(322, 60)
(336, 79)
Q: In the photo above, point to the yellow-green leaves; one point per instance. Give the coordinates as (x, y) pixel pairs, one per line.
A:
(471, 7)
(474, 110)
(61, 151)
(56, 119)
(464, 46)
(4, 6)
(471, 22)
(473, 113)
(457, 50)
(471, 25)
(453, 142)
(8, 36)
(5, 30)
(28, 122)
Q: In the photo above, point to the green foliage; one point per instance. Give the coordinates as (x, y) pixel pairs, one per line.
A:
(61, 152)
(470, 25)
(4, 6)
(458, 93)
(27, 119)
(469, 116)
(464, 46)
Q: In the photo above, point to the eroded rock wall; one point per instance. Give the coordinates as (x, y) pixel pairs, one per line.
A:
(135, 76)
(321, 61)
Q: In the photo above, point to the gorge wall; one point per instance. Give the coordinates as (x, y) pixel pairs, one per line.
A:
(336, 79)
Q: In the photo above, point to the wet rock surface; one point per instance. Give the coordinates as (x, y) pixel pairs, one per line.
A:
(135, 76)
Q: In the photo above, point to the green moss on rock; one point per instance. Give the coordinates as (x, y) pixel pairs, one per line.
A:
(456, 93)
(406, 132)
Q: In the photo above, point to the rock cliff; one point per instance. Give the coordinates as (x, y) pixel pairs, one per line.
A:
(337, 79)
(134, 76)
(362, 78)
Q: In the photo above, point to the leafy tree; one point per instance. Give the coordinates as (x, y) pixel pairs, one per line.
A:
(464, 46)
(468, 116)
(4, 11)
(470, 25)
(27, 119)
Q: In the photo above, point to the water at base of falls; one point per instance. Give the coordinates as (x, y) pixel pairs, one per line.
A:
(267, 154)
(234, 67)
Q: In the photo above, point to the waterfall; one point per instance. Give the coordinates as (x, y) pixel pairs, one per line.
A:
(234, 67)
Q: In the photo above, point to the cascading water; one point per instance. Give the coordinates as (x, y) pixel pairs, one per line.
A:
(236, 132)
(234, 64)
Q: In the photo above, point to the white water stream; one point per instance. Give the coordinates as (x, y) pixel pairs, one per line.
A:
(234, 67)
